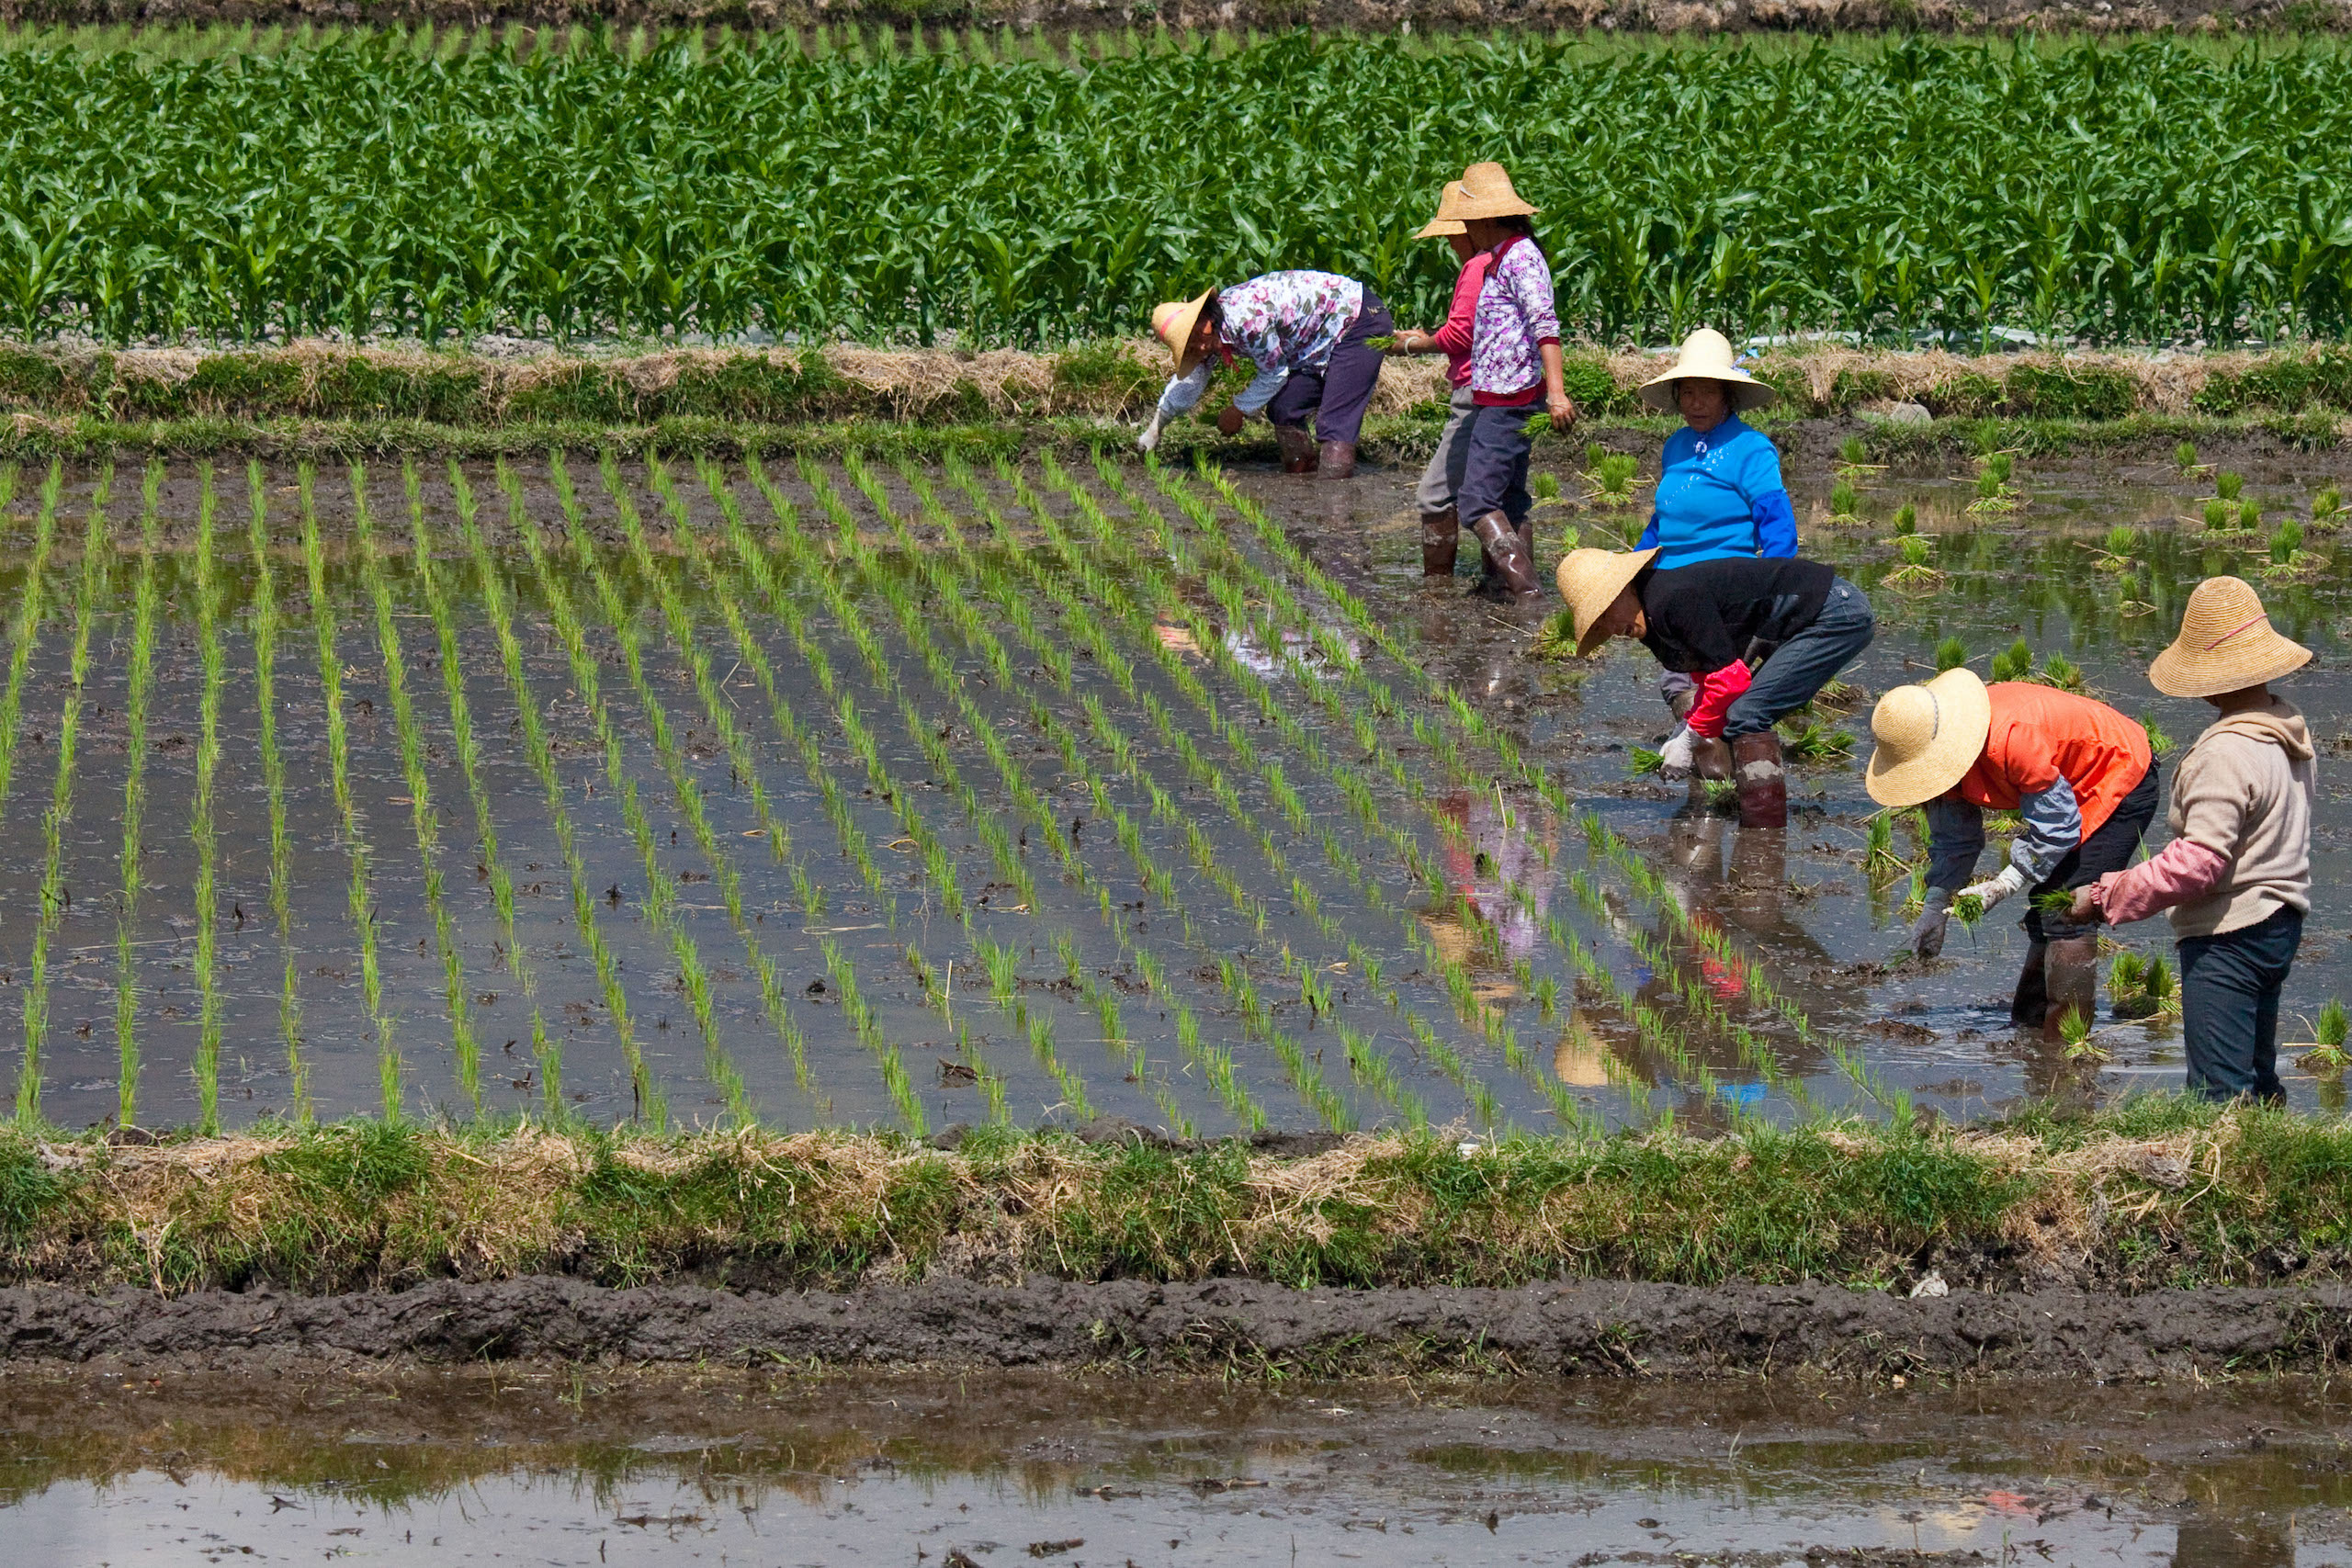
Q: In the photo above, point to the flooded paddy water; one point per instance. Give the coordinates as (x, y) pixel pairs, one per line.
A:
(595, 1467)
(852, 792)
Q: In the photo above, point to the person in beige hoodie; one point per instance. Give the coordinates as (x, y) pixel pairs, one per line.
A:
(2237, 875)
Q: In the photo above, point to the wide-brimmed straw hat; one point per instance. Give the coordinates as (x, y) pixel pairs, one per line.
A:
(1706, 355)
(1174, 321)
(2226, 644)
(1591, 580)
(1486, 192)
(1447, 221)
(1928, 737)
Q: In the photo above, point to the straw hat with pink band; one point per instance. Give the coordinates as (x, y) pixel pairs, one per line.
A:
(2226, 644)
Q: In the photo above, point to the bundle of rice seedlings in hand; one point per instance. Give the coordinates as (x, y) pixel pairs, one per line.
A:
(1641, 759)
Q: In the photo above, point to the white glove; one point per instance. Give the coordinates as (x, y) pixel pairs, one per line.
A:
(1149, 437)
(1992, 889)
(1677, 754)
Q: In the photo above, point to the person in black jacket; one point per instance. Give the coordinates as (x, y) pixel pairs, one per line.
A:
(1759, 636)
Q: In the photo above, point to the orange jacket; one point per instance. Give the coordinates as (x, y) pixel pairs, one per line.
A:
(2040, 733)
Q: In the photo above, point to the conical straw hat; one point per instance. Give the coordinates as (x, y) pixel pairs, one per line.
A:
(1446, 221)
(1591, 580)
(1706, 354)
(1175, 321)
(1928, 735)
(1486, 192)
(2226, 644)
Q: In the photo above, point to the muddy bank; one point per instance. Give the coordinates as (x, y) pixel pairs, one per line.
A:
(1587, 1329)
(1703, 16)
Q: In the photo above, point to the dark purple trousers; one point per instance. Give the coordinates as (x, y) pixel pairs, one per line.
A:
(1337, 394)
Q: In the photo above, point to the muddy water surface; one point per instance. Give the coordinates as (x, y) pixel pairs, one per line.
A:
(599, 1466)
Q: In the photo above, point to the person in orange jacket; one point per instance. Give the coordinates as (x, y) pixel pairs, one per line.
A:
(2082, 780)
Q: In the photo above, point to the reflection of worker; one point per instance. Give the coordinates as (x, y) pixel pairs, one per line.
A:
(1494, 863)
(1441, 479)
(2237, 875)
(2079, 774)
(1760, 638)
(1719, 488)
(1308, 333)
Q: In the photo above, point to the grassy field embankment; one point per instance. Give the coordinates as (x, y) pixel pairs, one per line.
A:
(2158, 1193)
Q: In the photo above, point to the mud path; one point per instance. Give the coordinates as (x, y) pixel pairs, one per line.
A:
(1594, 1329)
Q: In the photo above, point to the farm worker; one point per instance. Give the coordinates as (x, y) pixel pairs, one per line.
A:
(1759, 639)
(1441, 479)
(2077, 773)
(1308, 333)
(1719, 494)
(2237, 875)
(1514, 376)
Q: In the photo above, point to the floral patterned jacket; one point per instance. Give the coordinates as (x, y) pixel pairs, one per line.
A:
(1281, 321)
(1516, 318)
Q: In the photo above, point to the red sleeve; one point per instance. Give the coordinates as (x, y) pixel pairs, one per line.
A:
(1462, 316)
(1718, 690)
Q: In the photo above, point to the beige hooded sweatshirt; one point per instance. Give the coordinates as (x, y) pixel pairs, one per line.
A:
(2244, 792)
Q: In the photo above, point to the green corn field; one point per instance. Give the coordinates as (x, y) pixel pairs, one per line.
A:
(245, 185)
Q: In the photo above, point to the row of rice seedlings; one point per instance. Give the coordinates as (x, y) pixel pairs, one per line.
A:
(853, 838)
(661, 891)
(545, 1056)
(54, 893)
(134, 802)
(1214, 1060)
(422, 816)
(1484, 732)
(25, 631)
(1491, 1022)
(971, 1058)
(951, 596)
(360, 898)
(273, 765)
(1652, 1027)
(718, 714)
(207, 769)
(651, 1105)
(998, 962)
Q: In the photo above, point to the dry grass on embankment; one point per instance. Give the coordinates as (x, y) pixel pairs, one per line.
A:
(2157, 1194)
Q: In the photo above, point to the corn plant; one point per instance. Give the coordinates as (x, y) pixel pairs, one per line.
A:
(54, 895)
(273, 764)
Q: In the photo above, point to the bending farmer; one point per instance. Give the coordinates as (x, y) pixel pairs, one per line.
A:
(2079, 774)
(1758, 637)
(2237, 875)
(1718, 490)
(1441, 479)
(1308, 333)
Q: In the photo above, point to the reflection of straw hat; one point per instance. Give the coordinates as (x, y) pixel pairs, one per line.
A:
(1706, 355)
(1591, 580)
(1486, 192)
(2226, 644)
(1447, 221)
(1928, 737)
(1175, 321)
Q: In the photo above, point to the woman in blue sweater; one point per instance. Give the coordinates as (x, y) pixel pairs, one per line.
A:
(1719, 494)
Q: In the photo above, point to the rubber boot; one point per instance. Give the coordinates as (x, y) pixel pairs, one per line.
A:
(2031, 1005)
(2070, 978)
(1512, 565)
(1297, 449)
(1440, 540)
(1336, 460)
(1710, 762)
(1763, 786)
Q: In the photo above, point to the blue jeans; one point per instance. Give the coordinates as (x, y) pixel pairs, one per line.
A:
(2228, 1006)
(1806, 663)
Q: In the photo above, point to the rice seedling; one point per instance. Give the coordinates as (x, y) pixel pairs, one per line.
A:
(1844, 501)
(1641, 761)
(134, 803)
(2327, 507)
(1881, 864)
(2184, 457)
(1612, 478)
(273, 763)
(2122, 543)
(2288, 556)
(52, 891)
(2160, 744)
(2075, 1028)
(1994, 492)
(1968, 908)
(1853, 453)
(1906, 519)
(1556, 638)
(1914, 572)
(2060, 672)
(359, 899)
(1545, 489)
(498, 600)
(2228, 486)
(2326, 1059)
(2249, 515)
(1815, 742)
(2220, 517)
(203, 828)
(1951, 654)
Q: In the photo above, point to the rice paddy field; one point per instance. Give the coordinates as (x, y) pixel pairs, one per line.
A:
(850, 791)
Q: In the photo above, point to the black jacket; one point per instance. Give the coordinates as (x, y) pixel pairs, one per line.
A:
(1702, 617)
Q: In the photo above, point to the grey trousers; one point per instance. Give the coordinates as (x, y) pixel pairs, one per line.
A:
(1442, 480)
